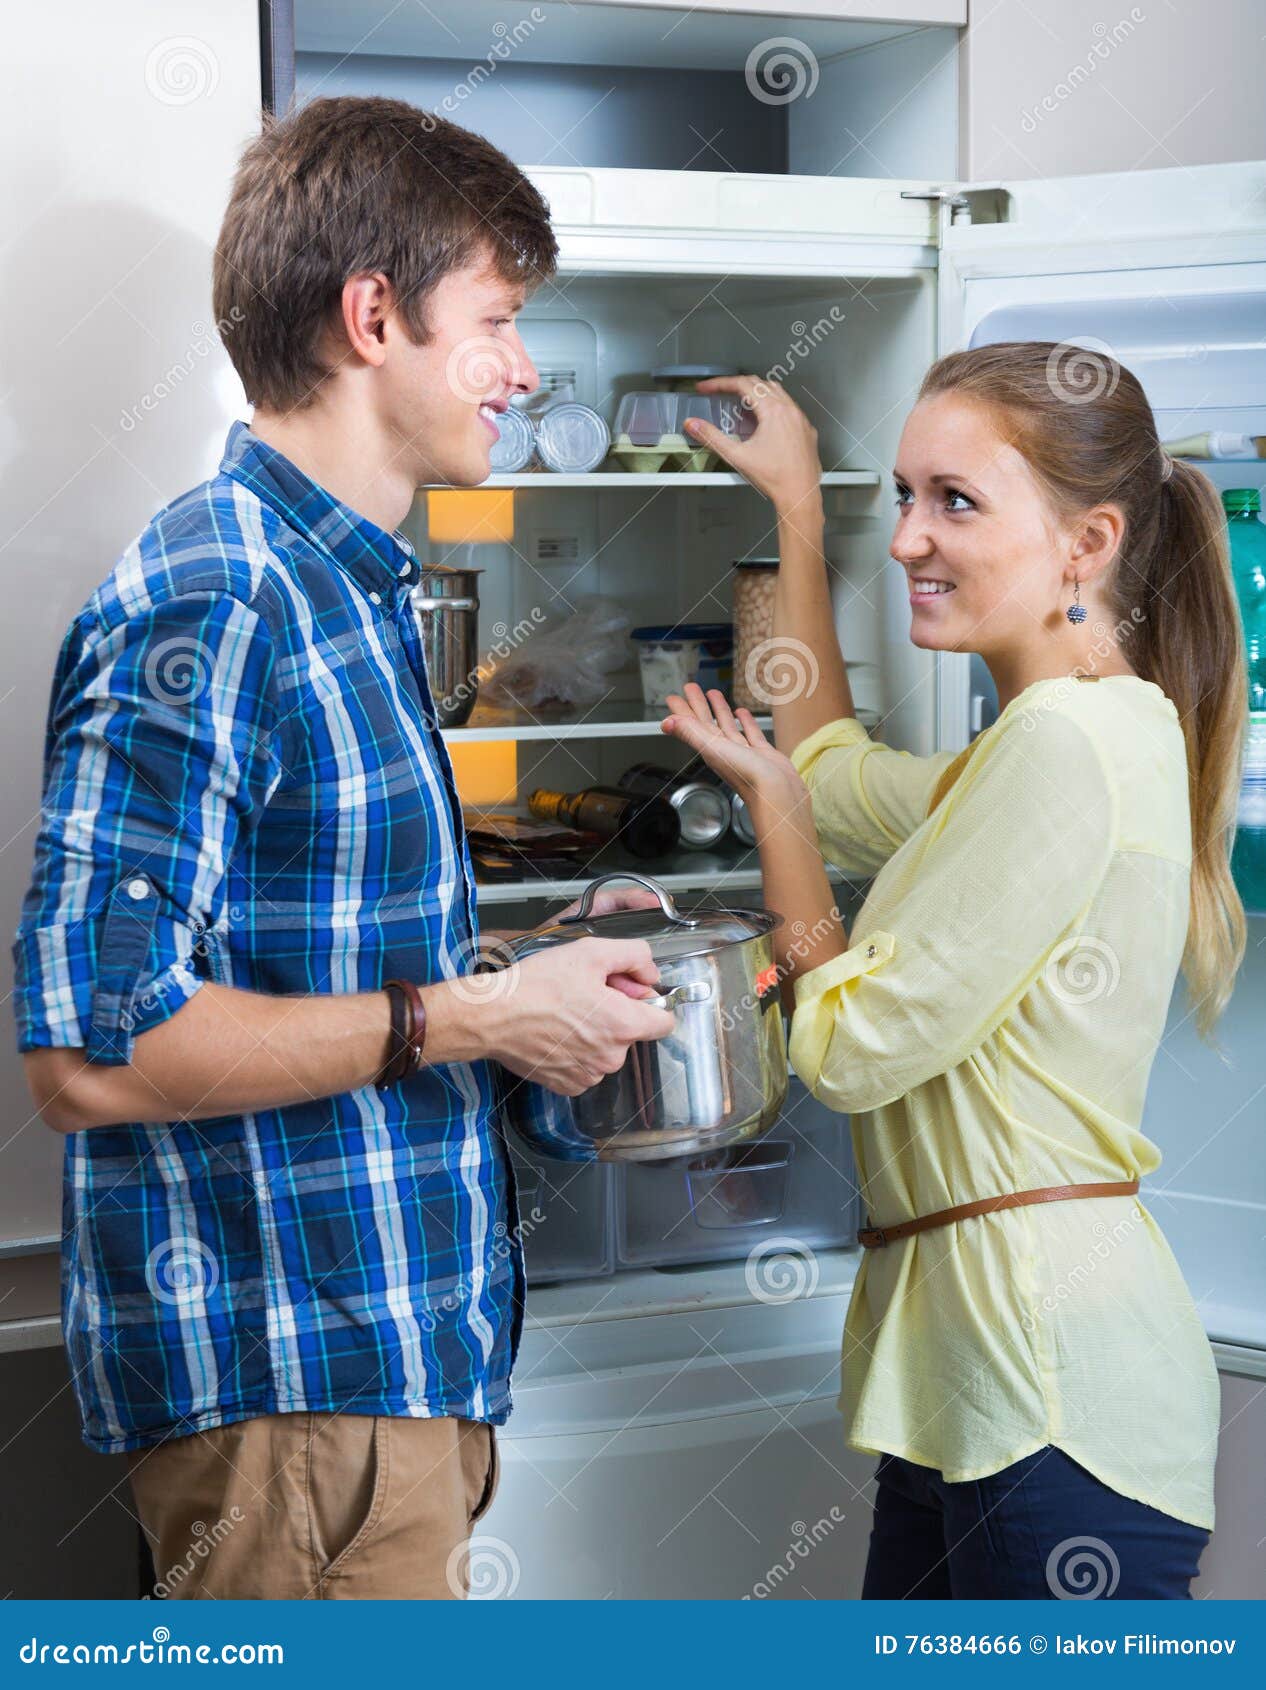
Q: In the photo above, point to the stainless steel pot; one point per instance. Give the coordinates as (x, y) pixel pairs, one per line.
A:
(447, 605)
(721, 1077)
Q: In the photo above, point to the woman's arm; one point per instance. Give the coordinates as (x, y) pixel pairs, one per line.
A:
(781, 461)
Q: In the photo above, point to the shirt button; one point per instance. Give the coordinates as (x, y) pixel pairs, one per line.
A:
(138, 888)
(375, 598)
(870, 950)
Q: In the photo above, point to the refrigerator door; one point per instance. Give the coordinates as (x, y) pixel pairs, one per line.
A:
(1166, 271)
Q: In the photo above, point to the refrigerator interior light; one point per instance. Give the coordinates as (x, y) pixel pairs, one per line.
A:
(460, 516)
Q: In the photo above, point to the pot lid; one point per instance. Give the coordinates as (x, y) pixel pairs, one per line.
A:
(671, 931)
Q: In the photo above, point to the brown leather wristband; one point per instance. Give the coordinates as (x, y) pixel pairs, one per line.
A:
(398, 1048)
(415, 1038)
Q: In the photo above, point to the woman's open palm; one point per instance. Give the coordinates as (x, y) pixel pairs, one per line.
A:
(730, 743)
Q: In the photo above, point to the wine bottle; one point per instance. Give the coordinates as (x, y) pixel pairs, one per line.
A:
(645, 826)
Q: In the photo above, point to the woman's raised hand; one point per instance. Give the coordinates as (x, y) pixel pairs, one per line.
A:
(734, 746)
(781, 458)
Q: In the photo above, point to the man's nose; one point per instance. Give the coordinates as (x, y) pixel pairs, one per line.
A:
(523, 372)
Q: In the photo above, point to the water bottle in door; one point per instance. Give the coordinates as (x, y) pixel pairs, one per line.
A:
(1248, 566)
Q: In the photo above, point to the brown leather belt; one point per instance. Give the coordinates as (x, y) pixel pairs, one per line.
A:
(875, 1237)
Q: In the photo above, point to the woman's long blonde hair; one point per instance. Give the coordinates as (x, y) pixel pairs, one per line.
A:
(1083, 424)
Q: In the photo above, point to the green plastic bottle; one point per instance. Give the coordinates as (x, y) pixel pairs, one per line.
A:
(1248, 565)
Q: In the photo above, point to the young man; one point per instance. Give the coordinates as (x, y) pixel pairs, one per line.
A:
(292, 1281)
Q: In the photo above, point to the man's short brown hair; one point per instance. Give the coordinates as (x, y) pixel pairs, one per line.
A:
(348, 185)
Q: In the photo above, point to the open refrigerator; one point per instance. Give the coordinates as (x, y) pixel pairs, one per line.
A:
(680, 1385)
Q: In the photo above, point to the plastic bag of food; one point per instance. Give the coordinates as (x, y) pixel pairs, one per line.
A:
(569, 661)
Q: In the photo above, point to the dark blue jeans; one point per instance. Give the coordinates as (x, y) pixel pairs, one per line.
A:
(1043, 1527)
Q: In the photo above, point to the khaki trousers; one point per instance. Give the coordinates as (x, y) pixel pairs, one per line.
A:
(316, 1506)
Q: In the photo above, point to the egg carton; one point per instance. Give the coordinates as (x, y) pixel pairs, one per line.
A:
(671, 453)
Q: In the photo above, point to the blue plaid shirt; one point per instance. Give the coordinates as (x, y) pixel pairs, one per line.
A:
(244, 783)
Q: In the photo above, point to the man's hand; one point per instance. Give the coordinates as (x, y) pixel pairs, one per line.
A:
(566, 1016)
(616, 898)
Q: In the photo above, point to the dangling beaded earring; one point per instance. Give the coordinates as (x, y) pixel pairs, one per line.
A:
(1076, 611)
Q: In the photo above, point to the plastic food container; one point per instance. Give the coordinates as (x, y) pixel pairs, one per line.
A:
(668, 658)
(649, 433)
(571, 439)
(716, 659)
(681, 378)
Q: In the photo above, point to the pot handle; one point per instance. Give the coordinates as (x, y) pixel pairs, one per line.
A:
(591, 891)
(690, 991)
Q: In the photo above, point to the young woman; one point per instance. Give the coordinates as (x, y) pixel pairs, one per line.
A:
(1021, 1350)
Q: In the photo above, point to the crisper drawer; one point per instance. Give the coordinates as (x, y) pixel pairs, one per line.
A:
(796, 1183)
(564, 1217)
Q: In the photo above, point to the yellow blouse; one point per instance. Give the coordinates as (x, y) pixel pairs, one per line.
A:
(991, 1029)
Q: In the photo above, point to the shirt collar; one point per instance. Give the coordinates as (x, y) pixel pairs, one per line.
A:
(384, 564)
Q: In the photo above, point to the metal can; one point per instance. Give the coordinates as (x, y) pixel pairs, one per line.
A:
(702, 809)
(741, 821)
(514, 450)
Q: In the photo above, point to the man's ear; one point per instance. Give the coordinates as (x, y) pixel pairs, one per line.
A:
(368, 300)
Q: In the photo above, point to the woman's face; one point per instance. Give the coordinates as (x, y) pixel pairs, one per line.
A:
(970, 514)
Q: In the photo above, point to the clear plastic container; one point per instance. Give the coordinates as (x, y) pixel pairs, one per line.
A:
(649, 433)
(564, 1217)
(668, 658)
(718, 1207)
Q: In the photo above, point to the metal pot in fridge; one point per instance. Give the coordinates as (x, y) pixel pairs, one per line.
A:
(446, 602)
(720, 1077)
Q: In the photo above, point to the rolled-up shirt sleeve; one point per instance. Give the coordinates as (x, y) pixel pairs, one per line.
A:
(867, 797)
(161, 748)
(965, 921)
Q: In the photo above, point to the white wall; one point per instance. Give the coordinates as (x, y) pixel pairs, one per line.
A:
(1062, 87)
(121, 127)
